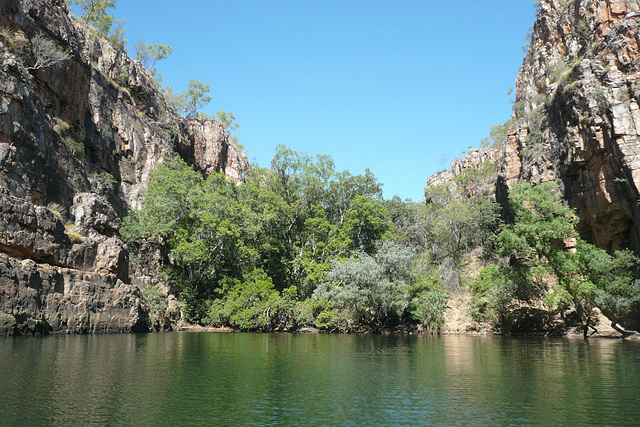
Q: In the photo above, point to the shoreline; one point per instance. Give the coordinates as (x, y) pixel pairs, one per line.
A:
(485, 333)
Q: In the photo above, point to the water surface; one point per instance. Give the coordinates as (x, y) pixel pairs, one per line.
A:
(292, 379)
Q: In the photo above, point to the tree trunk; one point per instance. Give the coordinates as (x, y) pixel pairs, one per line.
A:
(624, 333)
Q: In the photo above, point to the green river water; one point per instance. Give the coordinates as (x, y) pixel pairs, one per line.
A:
(228, 379)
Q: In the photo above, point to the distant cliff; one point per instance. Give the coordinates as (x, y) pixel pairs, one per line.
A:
(78, 140)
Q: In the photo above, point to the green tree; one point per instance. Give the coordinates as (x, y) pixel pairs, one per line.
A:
(428, 309)
(401, 213)
(536, 243)
(194, 98)
(281, 222)
(452, 223)
(150, 54)
(543, 242)
(227, 119)
(188, 103)
(95, 13)
(345, 187)
(368, 292)
(366, 223)
(254, 305)
(174, 100)
(617, 291)
(315, 199)
(497, 135)
(203, 223)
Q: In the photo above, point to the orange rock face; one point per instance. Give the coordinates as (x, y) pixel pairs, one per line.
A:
(577, 115)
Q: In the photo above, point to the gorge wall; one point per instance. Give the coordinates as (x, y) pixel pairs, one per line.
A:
(78, 141)
(576, 114)
(575, 122)
(576, 119)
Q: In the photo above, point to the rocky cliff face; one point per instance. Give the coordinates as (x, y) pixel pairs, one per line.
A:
(577, 116)
(78, 141)
(474, 159)
(576, 122)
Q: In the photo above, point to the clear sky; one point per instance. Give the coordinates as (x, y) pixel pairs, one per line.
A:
(400, 87)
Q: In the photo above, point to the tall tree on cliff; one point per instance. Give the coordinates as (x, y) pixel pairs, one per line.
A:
(95, 13)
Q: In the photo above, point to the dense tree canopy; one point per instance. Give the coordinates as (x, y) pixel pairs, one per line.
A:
(317, 246)
(301, 244)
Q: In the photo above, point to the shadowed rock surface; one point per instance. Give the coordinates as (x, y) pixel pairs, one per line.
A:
(577, 115)
(78, 141)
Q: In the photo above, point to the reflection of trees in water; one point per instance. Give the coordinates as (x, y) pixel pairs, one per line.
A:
(297, 379)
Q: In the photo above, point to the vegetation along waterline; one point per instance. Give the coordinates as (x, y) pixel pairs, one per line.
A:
(364, 267)
(125, 208)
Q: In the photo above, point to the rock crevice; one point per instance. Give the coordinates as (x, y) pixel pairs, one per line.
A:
(78, 141)
(576, 115)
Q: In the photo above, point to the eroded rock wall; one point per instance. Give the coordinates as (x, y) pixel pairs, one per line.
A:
(474, 159)
(78, 141)
(577, 116)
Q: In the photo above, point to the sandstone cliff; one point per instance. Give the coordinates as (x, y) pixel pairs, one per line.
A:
(576, 119)
(577, 116)
(78, 141)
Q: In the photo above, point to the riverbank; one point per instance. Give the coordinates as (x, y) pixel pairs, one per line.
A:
(603, 332)
(458, 321)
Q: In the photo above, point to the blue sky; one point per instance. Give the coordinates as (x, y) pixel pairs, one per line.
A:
(399, 87)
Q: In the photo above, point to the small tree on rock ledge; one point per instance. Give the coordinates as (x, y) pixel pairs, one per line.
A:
(46, 53)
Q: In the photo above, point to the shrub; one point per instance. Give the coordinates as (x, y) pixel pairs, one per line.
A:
(361, 289)
(254, 305)
(61, 126)
(103, 182)
(74, 237)
(73, 146)
(57, 210)
(156, 299)
(15, 41)
(70, 231)
(489, 284)
(328, 318)
(123, 76)
(46, 53)
(428, 309)
(319, 314)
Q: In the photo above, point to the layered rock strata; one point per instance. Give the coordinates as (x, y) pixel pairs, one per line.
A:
(577, 116)
(78, 141)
